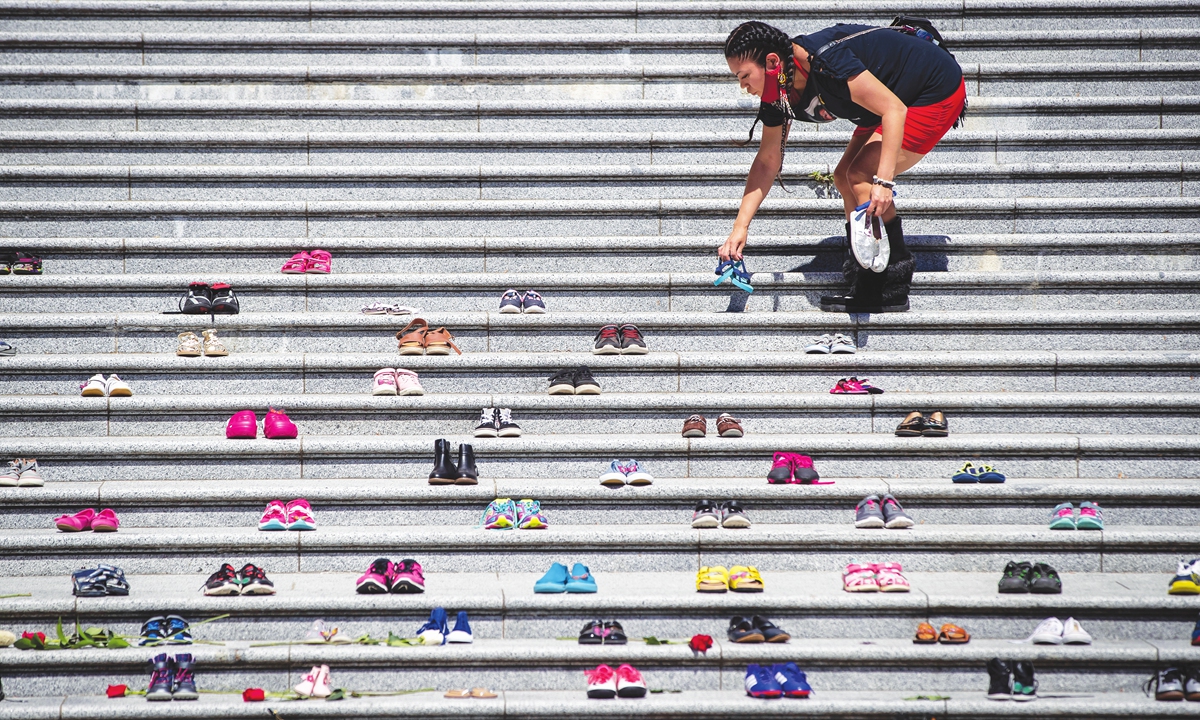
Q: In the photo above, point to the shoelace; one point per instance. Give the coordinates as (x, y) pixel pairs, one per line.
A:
(631, 331)
(183, 675)
(608, 331)
(599, 676)
(161, 675)
(506, 416)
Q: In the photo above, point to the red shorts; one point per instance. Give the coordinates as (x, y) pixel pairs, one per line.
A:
(924, 126)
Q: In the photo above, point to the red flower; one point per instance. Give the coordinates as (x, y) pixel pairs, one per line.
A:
(700, 643)
(41, 637)
(253, 695)
(115, 691)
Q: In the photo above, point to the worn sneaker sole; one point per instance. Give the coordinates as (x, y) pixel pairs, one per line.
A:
(737, 522)
(587, 389)
(706, 522)
(486, 432)
(510, 309)
(871, 522)
(561, 389)
(510, 432)
(899, 523)
(606, 350)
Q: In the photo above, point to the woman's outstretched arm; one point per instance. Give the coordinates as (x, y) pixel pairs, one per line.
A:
(758, 183)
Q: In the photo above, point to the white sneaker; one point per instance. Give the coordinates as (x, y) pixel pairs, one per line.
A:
(385, 382)
(1048, 632)
(602, 682)
(842, 345)
(30, 477)
(116, 387)
(868, 240)
(94, 387)
(636, 475)
(820, 346)
(1074, 634)
(12, 475)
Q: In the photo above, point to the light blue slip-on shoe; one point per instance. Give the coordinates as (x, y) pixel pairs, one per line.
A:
(554, 581)
(581, 580)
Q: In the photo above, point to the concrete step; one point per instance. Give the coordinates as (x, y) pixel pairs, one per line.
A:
(580, 501)
(588, 182)
(459, 49)
(1102, 251)
(1113, 607)
(333, 16)
(603, 548)
(584, 292)
(478, 332)
(410, 458)
(735, 114)
(711, 79)
(896, 665)
(683, 704)
(320, 219)
(811, 145)
(987, 371)
(612, 413)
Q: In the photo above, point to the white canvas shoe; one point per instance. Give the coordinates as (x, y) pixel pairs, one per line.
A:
(116, 387)
(868, 240)
(1074, 634)
(1048, 632)
(94, 387)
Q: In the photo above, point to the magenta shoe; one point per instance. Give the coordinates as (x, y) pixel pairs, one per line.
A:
(243, 425)
(781, 469)
(105, 521)
(277, 426)
(803, 472)
(78, 522)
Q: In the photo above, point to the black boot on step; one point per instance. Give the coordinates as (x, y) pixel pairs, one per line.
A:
(444, 472)
(872, 292)
(467, 473)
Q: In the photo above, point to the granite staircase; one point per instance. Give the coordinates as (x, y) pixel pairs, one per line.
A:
(446, 151)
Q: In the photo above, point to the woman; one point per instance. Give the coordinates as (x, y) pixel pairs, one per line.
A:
(903, 92)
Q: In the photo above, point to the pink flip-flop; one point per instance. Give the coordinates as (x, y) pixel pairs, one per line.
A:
(297, 265)
(80, 521)
(105, 521)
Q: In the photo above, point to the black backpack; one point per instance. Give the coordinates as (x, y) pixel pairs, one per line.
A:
(907, 24)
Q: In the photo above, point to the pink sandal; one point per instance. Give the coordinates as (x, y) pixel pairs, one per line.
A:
(319, 261)
(859, 578)
(105, 521)
(889, 577)
(78, 522)
(297, 265)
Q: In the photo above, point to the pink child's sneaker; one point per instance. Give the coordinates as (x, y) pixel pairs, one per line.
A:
(409, 577)
(407, 384)
(377, 579)
(243, 425)
(277, 426)
(274, 516)
(299, 515)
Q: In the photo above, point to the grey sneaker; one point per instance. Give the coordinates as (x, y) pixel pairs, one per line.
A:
(842, 345)
(510, 302)
(30, 477)
(894, 515)
(820, 346)
(10, 476)
(868, 513)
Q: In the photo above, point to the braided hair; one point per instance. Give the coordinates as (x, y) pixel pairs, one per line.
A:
(753, 41)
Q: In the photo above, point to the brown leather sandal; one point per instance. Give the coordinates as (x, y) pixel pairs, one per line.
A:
(439, 342)
(412, 342)
(953, 635)
(926, 635)
(912, 425)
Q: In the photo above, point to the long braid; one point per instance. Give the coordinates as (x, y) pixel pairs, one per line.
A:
(755, 40)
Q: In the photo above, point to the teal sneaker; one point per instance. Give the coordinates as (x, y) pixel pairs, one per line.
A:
(501, 514)
(554, 581)
(581, 580)
(529, 515)
(1063, 517)
(1024, 685)
(1091, 517)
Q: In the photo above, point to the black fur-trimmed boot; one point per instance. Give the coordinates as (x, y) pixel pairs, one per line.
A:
(872, 292)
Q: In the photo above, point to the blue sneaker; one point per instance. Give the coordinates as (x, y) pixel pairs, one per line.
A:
(554, 581)
(435, 631)
(462, 630)
(153, 631)
(615, 477)
(1196, 634)
(581, 580)
(177, 631)
(792, 679)
(761, 683)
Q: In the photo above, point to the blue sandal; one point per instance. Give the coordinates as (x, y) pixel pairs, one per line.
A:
(735, 272)
(968, 473)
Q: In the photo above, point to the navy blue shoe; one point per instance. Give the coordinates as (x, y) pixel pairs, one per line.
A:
(761, 683)
(177, 632)
(462, 630)
(183, 686)
(792, 679)
(435, 631)
(160, 681)
(153, 631)
(1196, 634)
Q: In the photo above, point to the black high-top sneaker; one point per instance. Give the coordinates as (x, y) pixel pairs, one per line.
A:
(508, 428)
(1024, 684)
(489, 423)
(444, 472)
(467, 473)
(1000, 680)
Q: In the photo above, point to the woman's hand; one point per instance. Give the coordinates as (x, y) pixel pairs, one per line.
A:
(881, 200)
(732, 249)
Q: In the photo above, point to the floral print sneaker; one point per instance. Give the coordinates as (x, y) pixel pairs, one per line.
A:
(501, 514)
(529, 515)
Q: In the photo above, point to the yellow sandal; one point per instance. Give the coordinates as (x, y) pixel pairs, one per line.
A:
(743, 578)
(712, 579)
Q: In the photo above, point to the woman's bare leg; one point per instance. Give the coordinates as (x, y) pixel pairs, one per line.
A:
(841, 174)
(861, 170)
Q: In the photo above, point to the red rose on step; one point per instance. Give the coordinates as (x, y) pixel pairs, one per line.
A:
(700, 643)
(115, 691)
(253, 695)
(41, 637)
